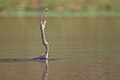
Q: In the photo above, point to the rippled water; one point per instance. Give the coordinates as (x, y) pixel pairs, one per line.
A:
(82, 48)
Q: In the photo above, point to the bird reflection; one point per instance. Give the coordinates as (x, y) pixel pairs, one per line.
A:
(45, 71)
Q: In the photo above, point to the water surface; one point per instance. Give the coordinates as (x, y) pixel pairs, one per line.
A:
(84, 48)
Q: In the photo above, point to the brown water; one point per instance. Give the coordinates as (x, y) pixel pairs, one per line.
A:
(83, 48)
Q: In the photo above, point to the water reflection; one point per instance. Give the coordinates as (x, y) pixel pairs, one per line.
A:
(45, 71)
(23, 70)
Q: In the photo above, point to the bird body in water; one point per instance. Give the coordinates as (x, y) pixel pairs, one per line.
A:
(44, 41)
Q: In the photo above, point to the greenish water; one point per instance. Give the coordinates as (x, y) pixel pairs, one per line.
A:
(84, 48)
(61, 14)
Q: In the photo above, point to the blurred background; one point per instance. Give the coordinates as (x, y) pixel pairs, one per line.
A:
(84, 39)
(61, 7)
